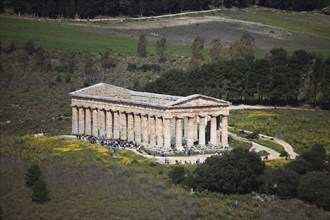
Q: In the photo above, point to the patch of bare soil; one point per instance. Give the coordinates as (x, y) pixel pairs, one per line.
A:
(183, 30)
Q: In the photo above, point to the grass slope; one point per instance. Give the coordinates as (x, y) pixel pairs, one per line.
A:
(86, 181)
(58, 34)
(298, 21)
(301, 128)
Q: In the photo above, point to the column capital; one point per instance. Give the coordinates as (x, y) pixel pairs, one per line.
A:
(190, 116)
(224, 115)
(202, 116)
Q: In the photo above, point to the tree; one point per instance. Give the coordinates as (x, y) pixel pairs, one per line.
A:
(325, 84)
(160, 48)
(29, 47)
(235, 172)
(242, 48)
(108, 59)
(277, 87)
(215, 50)
(280, 182)
(177, 174)
(40, 192)
(89, 69)
(316, 156)
(142, 46)
(197, 47)
(299, 166)
(314, 188)
(33, 174)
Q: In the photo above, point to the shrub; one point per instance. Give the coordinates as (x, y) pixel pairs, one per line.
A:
(235, 172)
(40, 192)
(177, 174)
(29, 47)
(314, 188)
(283, 153)
(316, 156)
(131, 67)
(253, 135)
(33, 174)
(280, 182)
(299, 166)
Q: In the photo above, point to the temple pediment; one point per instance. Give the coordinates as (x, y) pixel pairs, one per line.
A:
(198, 101)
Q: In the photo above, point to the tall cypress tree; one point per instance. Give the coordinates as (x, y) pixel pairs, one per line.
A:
(142, 46)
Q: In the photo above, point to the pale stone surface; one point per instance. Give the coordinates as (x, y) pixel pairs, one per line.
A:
(190, 130)
(167, 133)
(101, 121)
(201, 130)
(152, 125)
(102, 110)
(108, 125)
(74, 120)
(88, 117)
(123, 126)
(145, 133)
(138, 128)
(81, 118)
(178, 132)
(130, 126)
(116, 125)
(224, 136)
(95, 123)
(159, 131)
(213, 138)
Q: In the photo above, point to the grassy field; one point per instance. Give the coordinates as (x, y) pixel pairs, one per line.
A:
(300, 128)
(60, 35)
(87, 181)
(298, 21)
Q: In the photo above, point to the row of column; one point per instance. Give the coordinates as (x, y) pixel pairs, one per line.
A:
(146, 129)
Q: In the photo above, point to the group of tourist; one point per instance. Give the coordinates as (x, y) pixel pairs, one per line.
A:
(108, 142)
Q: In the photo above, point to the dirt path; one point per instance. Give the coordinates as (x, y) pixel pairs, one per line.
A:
(257, 147)
(287, 147)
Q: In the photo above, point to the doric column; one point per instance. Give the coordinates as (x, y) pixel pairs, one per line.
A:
(195, 128)
(138, 128)
(74, 119)
(152, 123)
(185, 127)
(178, 132)
(116, 125)
(159, 127)
(145, 128)
(130, 127)
(189, 130)
(201, 130)
(224, 134)
(88, 118)
(167, 132)
(213, 130)
(101, 122)
(95, 123)
(108, 124)
(218, 130)
(123, 127)
(81, 127)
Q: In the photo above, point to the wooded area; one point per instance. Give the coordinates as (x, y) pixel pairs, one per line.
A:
(91, 9)
(276, 79)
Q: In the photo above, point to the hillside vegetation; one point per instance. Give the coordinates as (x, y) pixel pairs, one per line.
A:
(87, 181)
(301, 128)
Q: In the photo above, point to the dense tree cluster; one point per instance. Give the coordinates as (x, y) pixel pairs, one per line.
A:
(278, 78)
(90, 9)
(241, 171)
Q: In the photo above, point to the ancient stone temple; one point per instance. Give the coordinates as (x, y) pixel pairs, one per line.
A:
(104, 110)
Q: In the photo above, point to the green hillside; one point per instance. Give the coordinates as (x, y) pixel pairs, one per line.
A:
(87, 181)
